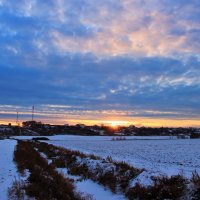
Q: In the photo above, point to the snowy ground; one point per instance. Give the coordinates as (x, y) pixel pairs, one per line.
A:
(99, 138)
(156, 156)
(8, 171)
(90, 187)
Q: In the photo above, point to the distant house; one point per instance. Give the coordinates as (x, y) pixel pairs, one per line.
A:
(118, 138)
(119, 133)
(198, 131)
(182, 136)
(5, 129)
(81, 125)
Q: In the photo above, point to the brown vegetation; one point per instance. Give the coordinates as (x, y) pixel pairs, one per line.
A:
(114, 175)
(44, 182)
(196, 183)
(118, 177)
(17, 190)
(163, 188)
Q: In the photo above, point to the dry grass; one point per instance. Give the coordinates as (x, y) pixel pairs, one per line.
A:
(61, 158)
(17, 190)
(196, 183)
(163, 188)
(44, 182)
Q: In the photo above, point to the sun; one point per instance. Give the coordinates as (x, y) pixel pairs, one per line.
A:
(115, 124)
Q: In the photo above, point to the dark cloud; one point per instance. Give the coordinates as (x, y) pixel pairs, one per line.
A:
(82, 80)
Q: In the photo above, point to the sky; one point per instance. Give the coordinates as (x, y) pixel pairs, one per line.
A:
(101, 61)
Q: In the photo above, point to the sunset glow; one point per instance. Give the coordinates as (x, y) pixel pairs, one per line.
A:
(118, 123)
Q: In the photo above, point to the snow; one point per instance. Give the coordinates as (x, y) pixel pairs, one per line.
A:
(64, 171)
(94, 165)
(95, 138)
(160, 156)
(45, 157)
(97, 191)
(92, 188)
(8, 171)
(144, 179)
(157, 155)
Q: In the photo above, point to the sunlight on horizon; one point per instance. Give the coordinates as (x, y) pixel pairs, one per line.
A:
(139, 122)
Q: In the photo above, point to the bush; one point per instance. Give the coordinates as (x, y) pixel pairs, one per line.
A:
(59, 162)
(163, 188)
(80, 170)
(108, 179)
(120, 176)
(196, 183)
(40, 138)
(17, 190)
(44, 181)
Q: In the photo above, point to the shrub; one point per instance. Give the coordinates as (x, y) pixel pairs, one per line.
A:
(196, 183)
(59, 162)
(40, 138)
(120, 176)
(125, 174)
(17, 190)
(44, 181)
(163, 188)
(108, 179)
(80, 170)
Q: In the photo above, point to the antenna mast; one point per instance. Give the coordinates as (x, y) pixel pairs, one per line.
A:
(33, 109)
(17, 120)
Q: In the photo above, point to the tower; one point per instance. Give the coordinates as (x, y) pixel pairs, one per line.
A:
(17, 120)
(18, 124)
(33, 109)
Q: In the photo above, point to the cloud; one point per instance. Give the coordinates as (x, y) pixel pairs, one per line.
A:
(105, 28)
(137, 28)
(146, 83)
(97, 56)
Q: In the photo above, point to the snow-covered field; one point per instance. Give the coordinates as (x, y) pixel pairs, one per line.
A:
(158, 156)
(99, 138)
(8, 171)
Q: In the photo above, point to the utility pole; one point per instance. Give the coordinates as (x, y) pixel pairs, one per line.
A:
(17, 120)
(33, 109)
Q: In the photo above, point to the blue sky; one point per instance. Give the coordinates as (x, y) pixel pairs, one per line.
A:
(133, 61)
